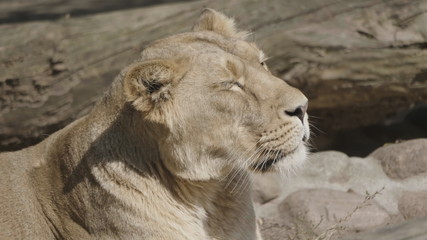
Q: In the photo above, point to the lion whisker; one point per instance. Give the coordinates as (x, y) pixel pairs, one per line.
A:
(246, 164)
(233, 158)
(248, 180)
(238, 160)
(237, 172)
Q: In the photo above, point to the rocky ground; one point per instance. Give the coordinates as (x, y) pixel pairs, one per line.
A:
(335, 196)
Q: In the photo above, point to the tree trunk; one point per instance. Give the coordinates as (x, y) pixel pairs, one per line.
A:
(12, 11)
(358, 61)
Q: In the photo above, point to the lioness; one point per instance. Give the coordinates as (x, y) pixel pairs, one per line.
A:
(166, 153)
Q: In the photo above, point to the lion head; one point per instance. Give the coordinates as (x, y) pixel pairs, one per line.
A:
(210, 101)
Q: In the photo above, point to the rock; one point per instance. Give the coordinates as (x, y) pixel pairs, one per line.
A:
(330, 175)
(275, 229)
(266, 187)
(327, 210)
(413, 204)
(415, 229)
(403, 160)
(335, 170)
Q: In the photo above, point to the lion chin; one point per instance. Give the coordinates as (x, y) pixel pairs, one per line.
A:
(164, 151)
(281, 162)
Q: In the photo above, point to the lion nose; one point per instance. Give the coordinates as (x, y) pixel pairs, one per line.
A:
(298, 112)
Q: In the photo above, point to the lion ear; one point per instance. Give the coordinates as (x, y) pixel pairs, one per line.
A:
(211, 20)
(148, 84)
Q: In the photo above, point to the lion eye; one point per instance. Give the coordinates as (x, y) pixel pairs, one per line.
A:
(232, 84)
(238, 84)
(264, 65)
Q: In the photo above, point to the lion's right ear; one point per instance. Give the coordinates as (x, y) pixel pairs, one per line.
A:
(211, 20)
(149, 84)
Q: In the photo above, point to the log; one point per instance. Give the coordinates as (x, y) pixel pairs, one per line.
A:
(12, 11)
(359, 62)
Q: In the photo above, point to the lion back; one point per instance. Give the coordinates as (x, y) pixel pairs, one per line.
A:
(21, 217)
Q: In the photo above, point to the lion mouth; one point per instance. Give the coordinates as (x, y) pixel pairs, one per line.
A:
(265, 165)
(269, 159)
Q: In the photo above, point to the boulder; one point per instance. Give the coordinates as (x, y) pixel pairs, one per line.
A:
(415, 229)
(403, 160)
(329, 187)
(322, 214)
(413, 204)
(331, 210)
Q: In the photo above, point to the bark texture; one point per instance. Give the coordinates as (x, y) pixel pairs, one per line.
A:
(359, 62)
(29, 10)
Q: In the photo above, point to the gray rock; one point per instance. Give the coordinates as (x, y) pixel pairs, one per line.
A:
(337, 171)
(403, 160)
(325, 209)
(413, 204)
(275, 228)
(409, 230)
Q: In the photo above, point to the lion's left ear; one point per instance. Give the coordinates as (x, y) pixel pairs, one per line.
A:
(148, 84)
(211, 20)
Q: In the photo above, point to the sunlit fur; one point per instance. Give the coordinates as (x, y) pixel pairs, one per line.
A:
(168, 151)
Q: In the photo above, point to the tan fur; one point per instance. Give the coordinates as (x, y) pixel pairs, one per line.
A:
(167, 152)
